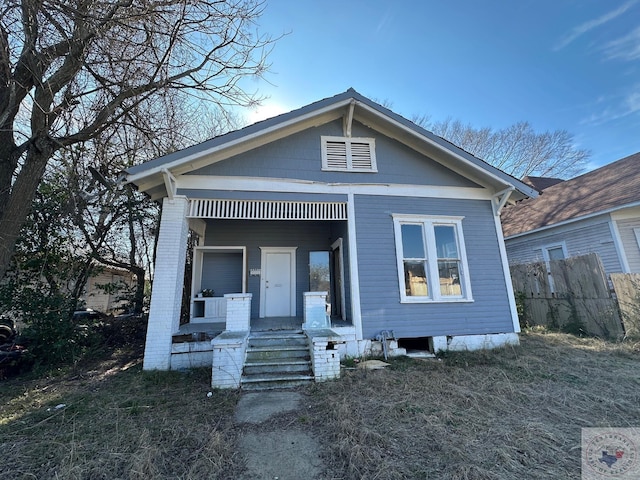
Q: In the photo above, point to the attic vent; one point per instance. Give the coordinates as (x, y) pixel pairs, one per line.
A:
(348, 154)
(267, 210)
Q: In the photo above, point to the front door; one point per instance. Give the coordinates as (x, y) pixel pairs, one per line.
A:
(278, 284)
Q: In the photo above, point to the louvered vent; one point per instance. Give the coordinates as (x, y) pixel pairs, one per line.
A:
(336, 155)
(350, 154)
(361, 156)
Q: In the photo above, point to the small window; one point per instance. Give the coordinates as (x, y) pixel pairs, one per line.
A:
(431, 256)
(552, 253)
(348, 154)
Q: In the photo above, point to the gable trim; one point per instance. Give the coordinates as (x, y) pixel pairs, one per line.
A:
(263, 184)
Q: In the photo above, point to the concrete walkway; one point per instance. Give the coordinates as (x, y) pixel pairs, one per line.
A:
(278, 453)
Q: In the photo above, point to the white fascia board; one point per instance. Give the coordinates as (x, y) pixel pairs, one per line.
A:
(619, 244)
(441, 148)
(132, 178)
(633, 212)
(259, 184)
(609, 211)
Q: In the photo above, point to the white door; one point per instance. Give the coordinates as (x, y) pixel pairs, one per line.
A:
(277, 285)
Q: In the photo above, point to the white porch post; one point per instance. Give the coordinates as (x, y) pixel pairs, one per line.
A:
(354, 279)
(168, 282)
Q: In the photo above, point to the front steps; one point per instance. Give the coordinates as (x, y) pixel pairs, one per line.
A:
(277, 359)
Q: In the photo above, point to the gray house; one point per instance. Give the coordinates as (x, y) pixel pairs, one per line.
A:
(341, 220)
(598, 212)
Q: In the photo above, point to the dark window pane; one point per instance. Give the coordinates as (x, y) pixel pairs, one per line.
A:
(415, 279)
(556, 253)
(446, 244)
(319, 280)
(412, 241)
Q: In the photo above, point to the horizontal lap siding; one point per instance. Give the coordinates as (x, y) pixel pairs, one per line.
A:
(299, 157)
(305, 235)
(630, 242)
(222, 272)
(592, 236)
(379, 288)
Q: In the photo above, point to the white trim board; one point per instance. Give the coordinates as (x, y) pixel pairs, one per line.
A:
(263, 184)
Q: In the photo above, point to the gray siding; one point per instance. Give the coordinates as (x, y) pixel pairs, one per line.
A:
(630, 243)
(379, 288)
(299, 156)
(305, 235)
(592, 236)
(222, 272)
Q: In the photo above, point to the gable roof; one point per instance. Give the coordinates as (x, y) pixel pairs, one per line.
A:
(150, 176)
(540, 183)
(605, 189)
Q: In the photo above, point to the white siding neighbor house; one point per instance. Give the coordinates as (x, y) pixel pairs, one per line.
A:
(598, 212)
(340, 222)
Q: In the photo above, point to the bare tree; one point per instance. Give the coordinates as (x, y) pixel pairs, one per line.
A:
(517, 149)
(71, 70)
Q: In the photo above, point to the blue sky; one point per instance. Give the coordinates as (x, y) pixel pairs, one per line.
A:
(559, 64)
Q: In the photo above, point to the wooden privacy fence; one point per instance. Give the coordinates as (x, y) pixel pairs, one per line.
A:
(573, 295)
(627, 288)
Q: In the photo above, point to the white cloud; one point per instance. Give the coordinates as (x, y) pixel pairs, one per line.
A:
(618, 108)
(591, 24)
(624, 48)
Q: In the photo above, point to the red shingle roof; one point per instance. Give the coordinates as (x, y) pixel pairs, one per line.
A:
(609, 187)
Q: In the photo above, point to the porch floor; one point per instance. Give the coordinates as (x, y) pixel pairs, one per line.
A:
(257, 325)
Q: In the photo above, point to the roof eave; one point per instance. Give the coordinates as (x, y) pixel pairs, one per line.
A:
(575, 219)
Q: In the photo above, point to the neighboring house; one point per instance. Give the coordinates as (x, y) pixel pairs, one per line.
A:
(105, 287)
(598, 212)
(399, 228)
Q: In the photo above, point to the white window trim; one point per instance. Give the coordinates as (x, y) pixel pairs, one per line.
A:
(636, 232)
(347, 141)
(546, 248)
(428, 223)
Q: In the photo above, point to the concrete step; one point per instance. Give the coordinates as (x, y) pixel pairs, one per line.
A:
(282, 367)
(266, 354)
(273, 381)
(277, 359)
(270, 341)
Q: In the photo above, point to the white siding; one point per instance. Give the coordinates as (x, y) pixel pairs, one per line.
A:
(630, 242)
(592, 236)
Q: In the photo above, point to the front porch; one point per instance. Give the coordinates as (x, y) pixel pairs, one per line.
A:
(229, 344)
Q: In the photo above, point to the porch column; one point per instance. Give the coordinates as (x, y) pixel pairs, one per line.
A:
(168, 282)
(356, 312)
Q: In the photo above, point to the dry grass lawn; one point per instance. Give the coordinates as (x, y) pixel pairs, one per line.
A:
(504, 414)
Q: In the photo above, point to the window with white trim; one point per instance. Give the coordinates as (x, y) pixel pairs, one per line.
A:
(550, 253)
(348, 154)
(432, 260)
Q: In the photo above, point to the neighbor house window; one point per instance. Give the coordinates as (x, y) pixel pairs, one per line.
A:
(348, 154)
(552, 253)
(432, 264)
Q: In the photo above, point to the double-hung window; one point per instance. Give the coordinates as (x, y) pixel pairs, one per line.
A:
(432, 264)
